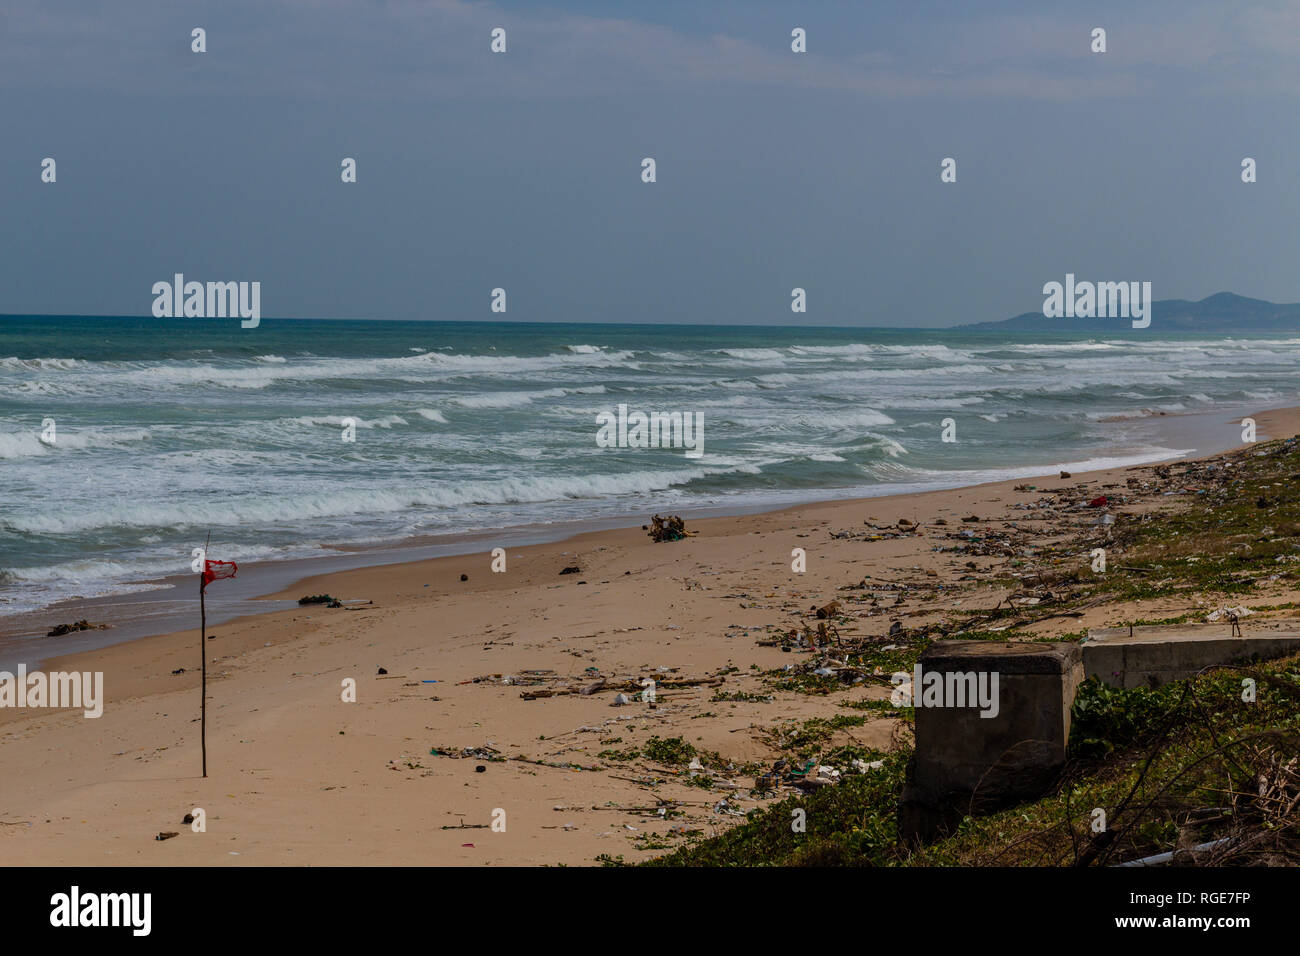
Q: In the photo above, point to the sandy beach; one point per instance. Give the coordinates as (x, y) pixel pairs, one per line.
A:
(298, 776)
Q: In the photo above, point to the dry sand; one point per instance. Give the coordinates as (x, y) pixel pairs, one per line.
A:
(297, 776)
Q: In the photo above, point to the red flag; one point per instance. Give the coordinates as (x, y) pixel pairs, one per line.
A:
(215, 570)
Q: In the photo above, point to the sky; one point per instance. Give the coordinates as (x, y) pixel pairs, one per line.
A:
(522, 170)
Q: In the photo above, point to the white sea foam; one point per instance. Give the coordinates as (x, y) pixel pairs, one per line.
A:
(755, 355)
(853, 352)
(257, 509)
(338, 421)
(115, 377)
(29, 444)
(40, 364)
(518, 399)
(958, 401)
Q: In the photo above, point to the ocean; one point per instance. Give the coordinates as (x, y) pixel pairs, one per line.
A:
(168, 430)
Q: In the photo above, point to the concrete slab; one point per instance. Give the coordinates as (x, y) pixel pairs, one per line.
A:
(1152, 655)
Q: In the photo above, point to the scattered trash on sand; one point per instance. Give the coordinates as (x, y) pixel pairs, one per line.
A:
(83, 625)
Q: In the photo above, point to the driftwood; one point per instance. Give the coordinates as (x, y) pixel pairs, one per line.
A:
(555, 766)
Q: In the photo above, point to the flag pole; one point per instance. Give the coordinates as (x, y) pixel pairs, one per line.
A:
(203, 662)
(203, 682)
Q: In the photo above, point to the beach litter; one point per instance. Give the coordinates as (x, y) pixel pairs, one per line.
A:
(484, 752)
(83, 625)
(1228, 612)
(672, 528)
(577, 686)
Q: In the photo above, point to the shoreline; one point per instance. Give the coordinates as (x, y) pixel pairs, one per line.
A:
(297, 776)
(163, 608)
(447, 567)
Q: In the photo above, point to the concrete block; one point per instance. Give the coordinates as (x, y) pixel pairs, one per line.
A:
(1149, 656)
(969, 763)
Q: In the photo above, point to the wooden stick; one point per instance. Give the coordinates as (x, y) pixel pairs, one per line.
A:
(203, 657)
(203, 682)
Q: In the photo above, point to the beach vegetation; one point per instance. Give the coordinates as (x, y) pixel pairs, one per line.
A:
(668, 750)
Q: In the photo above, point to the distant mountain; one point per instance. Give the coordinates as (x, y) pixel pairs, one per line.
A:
(1221, 313)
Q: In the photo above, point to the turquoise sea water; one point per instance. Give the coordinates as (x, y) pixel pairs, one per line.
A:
(166, 429)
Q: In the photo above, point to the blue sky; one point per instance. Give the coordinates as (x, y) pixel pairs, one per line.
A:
(522, 170)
